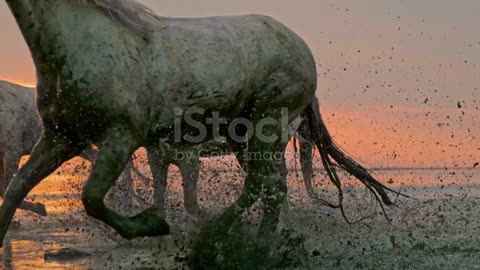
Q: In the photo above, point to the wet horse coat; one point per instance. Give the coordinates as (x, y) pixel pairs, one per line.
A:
(20, 128)
(187, 159)
(86, 53)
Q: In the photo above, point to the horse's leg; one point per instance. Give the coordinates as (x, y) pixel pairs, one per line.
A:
(10, 165)
(306, 164)
(262, 176)
(7, 254)
(128, 178)
(115, 152)
(238, 148)
(190, 169)
(274, 194)
(122, 195)
(126, 184)
(89, 154)
(159, 168)
(49, 153)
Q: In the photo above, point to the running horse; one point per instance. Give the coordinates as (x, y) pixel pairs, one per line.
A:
(114, 74)
(20, 128)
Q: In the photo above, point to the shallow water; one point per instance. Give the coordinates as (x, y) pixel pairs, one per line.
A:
(438, 229)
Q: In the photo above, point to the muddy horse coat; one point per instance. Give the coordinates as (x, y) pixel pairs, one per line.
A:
(113, 74)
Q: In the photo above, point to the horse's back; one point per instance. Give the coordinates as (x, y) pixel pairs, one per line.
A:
(16, 103)
(226, 60)
(255, 37)
(18, 116)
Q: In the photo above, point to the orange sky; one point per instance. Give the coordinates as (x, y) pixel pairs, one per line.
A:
(391, 73)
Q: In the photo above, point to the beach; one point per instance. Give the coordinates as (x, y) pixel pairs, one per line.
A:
(436, 228)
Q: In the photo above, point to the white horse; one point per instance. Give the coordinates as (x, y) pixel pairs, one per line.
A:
(187, 160)
(20, 128)
(251, 67)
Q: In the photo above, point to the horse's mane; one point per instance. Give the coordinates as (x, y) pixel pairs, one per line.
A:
(136, 17)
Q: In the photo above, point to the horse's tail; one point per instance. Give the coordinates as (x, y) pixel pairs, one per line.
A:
(305, 150)
(316, 133)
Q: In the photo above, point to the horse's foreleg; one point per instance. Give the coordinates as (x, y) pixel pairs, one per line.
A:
(115, 152)
(190, 169)
(9, 166)
(159, 168)
(126, 183)
(49, 153)
(238, 149)
(89, 154)
(123, 195)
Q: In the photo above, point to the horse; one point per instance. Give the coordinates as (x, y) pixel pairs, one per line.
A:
(247, 67)
(20, 128)
(187, 160)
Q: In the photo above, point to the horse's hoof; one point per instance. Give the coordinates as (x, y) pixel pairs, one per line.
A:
(151, 225)
(36, 208)
(39, 209)
(204, 254)
(205, 249)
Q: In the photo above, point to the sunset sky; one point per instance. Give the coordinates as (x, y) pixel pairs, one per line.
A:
(399, 80)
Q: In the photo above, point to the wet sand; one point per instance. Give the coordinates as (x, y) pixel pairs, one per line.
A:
(439, 229)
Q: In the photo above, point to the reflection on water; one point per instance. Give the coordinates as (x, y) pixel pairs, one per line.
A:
(25, 254)
(68, 227)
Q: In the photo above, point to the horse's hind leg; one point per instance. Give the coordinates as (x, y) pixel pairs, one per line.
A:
(49, 153)
(115, 152)
(159, 168)
(190, 169)
(306, 162)
(264, 177)
(274, 193)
